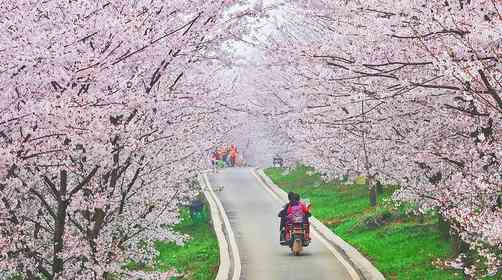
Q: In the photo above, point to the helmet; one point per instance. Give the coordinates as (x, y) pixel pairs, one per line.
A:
(291, 196)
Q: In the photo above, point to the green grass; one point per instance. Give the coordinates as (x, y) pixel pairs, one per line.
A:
(197, 259)
(403, 247)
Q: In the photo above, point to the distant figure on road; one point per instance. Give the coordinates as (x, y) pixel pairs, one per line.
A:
(233, 155)
(227, 156)
(214, 158)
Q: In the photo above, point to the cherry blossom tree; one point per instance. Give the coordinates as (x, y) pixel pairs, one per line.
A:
(406, 92)
(106, 111)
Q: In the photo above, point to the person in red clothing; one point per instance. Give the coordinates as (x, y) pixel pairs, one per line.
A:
(214, 159)
(298, 212)
(217, 154)
(233, 155)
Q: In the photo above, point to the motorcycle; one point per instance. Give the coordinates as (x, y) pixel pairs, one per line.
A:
(296, 233)
(297, 238)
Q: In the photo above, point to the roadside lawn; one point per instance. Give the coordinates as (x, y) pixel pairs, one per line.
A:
(400, 245)
(197, 259)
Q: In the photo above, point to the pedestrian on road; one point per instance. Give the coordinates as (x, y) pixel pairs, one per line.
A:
(214, 159)
(233, 155)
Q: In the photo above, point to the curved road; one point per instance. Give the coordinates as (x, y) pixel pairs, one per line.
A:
(253, 217)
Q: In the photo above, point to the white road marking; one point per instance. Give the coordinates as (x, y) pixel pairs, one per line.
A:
(353, 274)
(231, 237)
(224, 267)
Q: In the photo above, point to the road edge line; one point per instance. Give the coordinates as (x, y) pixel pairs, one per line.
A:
(230, 252)
(224, 265)
(352, 272)
(334, 243)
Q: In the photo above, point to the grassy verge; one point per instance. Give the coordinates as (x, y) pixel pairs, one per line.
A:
(399, 245)
(196, 259)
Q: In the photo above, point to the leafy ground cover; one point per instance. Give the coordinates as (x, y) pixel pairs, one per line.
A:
(196, 259)
(400, 245)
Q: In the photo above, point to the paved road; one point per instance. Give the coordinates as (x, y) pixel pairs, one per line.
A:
(253, 216)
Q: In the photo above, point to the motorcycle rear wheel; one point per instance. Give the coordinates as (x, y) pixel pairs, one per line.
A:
(297, 247)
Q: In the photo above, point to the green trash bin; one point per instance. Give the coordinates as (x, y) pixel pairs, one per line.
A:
(220, 164)
(197, 213)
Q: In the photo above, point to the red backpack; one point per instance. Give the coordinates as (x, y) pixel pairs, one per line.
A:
(295, 213)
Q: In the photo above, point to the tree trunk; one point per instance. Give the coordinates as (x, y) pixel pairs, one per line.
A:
(372, 191)
(367, 165)
(444, 228)
(59, 227)
(458, 246)
(379, 187)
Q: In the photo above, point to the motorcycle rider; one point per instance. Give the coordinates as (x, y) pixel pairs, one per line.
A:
(286, 213)
(298, 212)
(283, 214)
